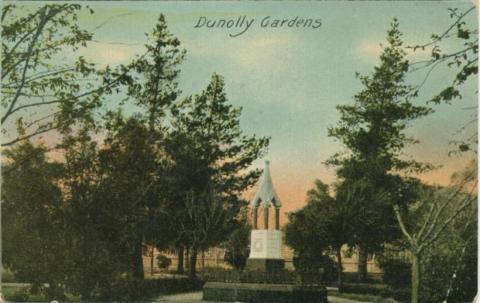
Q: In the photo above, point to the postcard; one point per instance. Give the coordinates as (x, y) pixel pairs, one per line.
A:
(237, 151)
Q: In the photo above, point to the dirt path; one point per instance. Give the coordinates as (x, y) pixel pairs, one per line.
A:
(196, 297)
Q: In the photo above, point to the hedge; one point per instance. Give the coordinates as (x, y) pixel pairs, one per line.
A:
(136, 289)
(364, 288)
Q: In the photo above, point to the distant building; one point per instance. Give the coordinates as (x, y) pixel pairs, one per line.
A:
(215, 257)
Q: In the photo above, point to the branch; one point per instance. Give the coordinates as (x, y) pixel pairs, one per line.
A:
(425, 223)
(447, 222)
(7, 55)
(61, 99)
(5, 10)
(40, 119)
(439, 38)
(24, 73)
(466, 179)
(402, 225)
(48, 73)
(38, 132)
(36, 104)
(4, 59)
(441, 59)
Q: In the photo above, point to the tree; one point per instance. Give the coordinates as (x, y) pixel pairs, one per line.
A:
(211, 156)
(438, 209)
(130, 166)
(40, 94)
(93, 266)
(33, 232)
(306, 238)
(154, 88)
(154, 85)
(448, 266)
(112, 197)
(238, 244)
(324, 221)
(462, 60)
(373, 131)
(111, 190)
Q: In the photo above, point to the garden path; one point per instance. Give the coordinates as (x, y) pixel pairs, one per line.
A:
(196, 297)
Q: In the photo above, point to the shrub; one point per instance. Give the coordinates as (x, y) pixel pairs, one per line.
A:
(163, 261)
(236, 259)
(138, 290)
(329, 269)
(21, 295)
(307, 261)
(402, 295)
(396, 273)
(354, 277)
(364, 288)
(8, 276)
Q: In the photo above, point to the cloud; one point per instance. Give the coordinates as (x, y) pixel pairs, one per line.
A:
(255, 52)
(370, 50)
(263, 52)
(110, 54)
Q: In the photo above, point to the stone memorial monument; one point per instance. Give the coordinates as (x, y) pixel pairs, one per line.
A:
(265, 256)
(266, 244)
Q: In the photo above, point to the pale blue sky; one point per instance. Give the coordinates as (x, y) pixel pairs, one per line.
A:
(289, 81)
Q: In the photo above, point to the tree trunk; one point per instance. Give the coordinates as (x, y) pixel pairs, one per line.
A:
(362, 263)
(340, 268)
(193, 263)
(138, 262)
(180, 253)
(152, 260)
(415, 277)
(187, 258)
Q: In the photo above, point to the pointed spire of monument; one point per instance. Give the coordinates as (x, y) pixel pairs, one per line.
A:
(266, 193)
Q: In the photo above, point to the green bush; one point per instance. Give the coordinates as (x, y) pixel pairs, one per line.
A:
(163, 261)
(236, 259)
(329, 269)
(307, 261)
(354, 277)
(364, 288)
(138, 290)
(8, 276)
(401, 295)
(309, 264)
(21, 295)
(396, 273)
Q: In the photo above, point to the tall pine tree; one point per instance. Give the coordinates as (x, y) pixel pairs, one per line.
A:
(211, 156)
(373, 131)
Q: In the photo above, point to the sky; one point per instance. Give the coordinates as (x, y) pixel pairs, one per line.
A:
(290, 80)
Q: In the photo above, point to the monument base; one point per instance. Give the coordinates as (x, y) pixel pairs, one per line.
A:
(265, 244)
(267, 265)
(263, 293)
